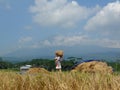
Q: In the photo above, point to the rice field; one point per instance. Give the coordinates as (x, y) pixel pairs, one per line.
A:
(59, 81)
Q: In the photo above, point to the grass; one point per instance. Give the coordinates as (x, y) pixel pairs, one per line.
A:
(59, 81)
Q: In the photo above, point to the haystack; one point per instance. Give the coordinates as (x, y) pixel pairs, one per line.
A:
(59, 53)
(93, 67)
(37, 70)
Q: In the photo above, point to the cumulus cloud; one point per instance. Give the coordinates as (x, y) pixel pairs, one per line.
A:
(59, 12)
(77, 40)
(61, 41)
(86, 40)
(106, 21)
(67, 40)
(25, 42)
(109, 43)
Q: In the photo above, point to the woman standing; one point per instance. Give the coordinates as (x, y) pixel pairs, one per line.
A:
(58, 59)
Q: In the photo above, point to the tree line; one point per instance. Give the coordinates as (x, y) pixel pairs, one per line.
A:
(49, 64)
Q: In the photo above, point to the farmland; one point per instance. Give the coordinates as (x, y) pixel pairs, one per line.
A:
(10, 80)
(49, 79)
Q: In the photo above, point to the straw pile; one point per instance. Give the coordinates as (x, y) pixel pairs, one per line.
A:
(93, 67)
(59, 53)
(37, 70)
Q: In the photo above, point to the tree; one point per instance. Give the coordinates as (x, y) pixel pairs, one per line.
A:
(5, 64)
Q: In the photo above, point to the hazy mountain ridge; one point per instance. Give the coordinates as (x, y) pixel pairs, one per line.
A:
(88, 52)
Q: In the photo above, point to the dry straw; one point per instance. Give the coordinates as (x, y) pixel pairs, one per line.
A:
(93, 67)
(59, 53)
(59, 81)
(37, 70)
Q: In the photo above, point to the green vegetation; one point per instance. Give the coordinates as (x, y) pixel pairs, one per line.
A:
(115, 65)
(46, 63)
(49, 64)
(43, 63)
(5, 64)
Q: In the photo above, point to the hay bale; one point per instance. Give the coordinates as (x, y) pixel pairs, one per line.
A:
(37, 70)
(93, 67)
(59, 53)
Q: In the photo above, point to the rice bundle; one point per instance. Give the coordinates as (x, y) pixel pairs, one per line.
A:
(37, 70)
(59, 53)
(93, 67)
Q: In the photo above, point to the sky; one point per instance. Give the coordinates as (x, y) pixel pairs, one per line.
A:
(36, 24)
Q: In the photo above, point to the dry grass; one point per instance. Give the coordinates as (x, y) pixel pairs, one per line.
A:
(93, 67)
(59, 81)
(37, 70)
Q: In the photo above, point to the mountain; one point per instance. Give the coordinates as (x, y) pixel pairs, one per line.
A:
(86, 52)
(108, 56)
(14, 59)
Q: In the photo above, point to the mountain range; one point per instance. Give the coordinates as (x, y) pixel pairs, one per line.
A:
(86, 52)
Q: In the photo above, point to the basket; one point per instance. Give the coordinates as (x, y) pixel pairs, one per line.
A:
(59, 53)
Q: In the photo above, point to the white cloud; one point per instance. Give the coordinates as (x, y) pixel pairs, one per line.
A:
(59, 12)
(61, 41)
(110, 43)
(106, 21)
(70, 40)
(77, 40)
(25, 40)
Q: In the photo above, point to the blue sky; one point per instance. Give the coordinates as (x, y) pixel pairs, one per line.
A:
(53, 23)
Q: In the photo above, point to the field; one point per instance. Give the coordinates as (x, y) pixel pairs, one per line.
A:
(10, 80)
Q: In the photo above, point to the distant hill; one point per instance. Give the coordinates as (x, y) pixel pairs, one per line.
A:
(86, 52)
(14, 59)
(108, 56)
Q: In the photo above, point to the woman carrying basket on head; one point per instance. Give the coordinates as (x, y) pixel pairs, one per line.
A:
(58, 59)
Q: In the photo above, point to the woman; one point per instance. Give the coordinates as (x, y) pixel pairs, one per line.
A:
(58, 60)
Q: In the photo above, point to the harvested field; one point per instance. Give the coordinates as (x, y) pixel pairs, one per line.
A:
(59, 81)
(37, 70)
(93, 67)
